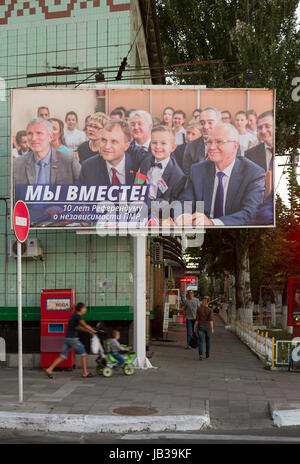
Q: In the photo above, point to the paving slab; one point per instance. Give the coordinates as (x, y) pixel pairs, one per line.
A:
(232, 384)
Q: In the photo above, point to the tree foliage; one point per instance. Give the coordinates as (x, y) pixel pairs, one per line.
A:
(243, 35)
(254, 44)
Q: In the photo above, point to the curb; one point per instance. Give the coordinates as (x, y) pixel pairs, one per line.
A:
(285, 414)
(81, 423)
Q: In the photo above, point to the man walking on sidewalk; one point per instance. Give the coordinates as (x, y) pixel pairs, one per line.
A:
(204, 325)
(71, 341)
(190, 310)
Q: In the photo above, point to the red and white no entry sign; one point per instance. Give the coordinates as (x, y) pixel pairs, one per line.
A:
(21, 221)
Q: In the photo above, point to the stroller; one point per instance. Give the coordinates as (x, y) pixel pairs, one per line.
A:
(106, 361)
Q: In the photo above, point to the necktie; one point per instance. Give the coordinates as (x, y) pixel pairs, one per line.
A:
(42, 176)
(219, 200)
(156, 165)
(115, 180)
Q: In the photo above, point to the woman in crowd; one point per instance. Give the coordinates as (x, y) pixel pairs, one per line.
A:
(179, 117)
(58, 141)
(86, 121)
(252, 125)
(197, 114)
(245, 138)
(94, 127)
(73, 136)
(168, 116)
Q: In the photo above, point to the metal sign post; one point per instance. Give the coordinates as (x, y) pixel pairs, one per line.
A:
(20, 342)
(21, 228)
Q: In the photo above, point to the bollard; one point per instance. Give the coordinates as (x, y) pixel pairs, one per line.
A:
(266, 349)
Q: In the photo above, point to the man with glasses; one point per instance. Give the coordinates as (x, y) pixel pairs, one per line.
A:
(226, 117)
(93, 130)
(231, 188)
(195, 151)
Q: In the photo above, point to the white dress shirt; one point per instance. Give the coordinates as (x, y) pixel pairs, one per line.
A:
(253, 135)
(227, 171)
(74, 138)
(244, 140)
(154, 175)
(180, 136)
(120, 168)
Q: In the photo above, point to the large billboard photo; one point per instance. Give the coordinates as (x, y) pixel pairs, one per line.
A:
(128, 157)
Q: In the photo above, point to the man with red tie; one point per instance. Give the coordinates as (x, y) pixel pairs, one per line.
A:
(115, 165)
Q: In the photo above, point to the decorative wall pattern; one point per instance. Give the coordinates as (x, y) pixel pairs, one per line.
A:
(54, 9)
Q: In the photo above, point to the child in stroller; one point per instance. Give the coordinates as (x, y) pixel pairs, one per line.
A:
(112, 358)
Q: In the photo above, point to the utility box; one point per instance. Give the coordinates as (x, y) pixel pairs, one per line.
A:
(31, 248)
(56, 309)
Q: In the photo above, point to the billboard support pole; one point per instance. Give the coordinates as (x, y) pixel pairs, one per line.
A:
(20, 344)
(139, 322)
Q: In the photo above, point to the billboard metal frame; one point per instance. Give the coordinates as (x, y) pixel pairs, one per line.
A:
(177, 230)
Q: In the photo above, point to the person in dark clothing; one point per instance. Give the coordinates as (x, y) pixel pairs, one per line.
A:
(94, 128)
(204, 326)
(193, 132)
(71, 341)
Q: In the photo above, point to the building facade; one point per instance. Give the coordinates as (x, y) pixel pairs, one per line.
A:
(40, 37)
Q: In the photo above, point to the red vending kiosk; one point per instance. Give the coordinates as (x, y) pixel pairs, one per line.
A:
(56, 309)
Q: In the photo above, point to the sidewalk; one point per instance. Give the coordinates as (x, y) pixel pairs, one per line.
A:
(232, 382)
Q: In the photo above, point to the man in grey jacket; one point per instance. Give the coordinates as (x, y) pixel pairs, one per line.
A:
(191, 306)
(43, 164)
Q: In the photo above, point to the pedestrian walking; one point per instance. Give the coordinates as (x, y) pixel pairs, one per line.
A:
(71, 341)
(204, 326)
(190, 308)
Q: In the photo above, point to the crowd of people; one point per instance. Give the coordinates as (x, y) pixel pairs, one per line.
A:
(225, 162)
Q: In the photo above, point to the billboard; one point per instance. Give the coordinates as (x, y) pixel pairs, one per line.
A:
(144, 158)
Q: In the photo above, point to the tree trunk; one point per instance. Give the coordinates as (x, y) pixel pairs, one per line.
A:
(243, 288)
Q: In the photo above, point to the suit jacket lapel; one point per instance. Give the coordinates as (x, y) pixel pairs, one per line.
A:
(166, 177)
(129, 170)
(54, 165)
(263, 154)
(103, 171)
(233, 186)
(30, 169)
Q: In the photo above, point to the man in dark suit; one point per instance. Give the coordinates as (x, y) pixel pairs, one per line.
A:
(230, 187)
(193, 132)
(263, 154)
(195, 151)
(115, 165)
